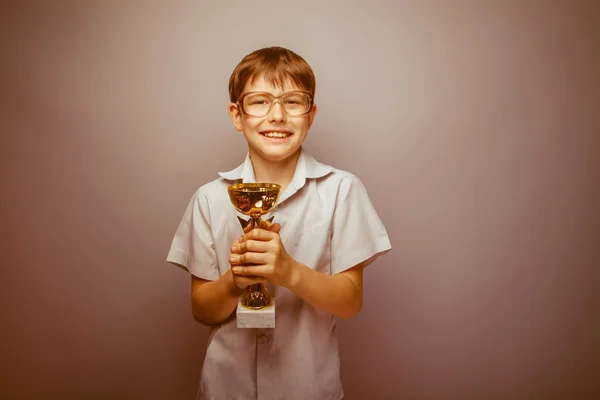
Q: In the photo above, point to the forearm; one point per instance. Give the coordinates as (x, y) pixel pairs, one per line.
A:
(213, 302)
(336, 294)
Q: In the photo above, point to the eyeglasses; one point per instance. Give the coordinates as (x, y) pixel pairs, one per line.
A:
(259, 104)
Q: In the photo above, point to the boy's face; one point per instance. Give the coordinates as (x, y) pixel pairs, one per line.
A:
(256, 129)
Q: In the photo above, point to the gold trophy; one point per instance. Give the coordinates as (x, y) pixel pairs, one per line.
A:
(256, 307)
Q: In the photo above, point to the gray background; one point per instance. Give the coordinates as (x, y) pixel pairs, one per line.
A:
(473, 126)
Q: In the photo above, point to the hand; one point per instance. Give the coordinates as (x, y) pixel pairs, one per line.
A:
(243, 281)
(264, 250)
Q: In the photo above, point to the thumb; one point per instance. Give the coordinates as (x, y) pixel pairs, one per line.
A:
(275, 228)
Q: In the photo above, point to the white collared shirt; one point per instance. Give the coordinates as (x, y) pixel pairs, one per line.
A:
(327, 223)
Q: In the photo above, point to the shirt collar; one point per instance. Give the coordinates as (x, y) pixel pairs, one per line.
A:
(244, 171)
(306, 168)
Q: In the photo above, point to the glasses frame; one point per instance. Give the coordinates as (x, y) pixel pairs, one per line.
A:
(277, 99)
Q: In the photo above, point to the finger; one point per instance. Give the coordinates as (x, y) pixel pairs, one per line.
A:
(235, 247)
(254, 270)
(254, 246)
(276, 228)
(247, 258)
(258, 234)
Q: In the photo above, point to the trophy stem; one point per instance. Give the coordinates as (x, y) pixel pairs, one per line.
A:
(254, 222)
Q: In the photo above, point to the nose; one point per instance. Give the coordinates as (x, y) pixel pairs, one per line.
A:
(277, 112)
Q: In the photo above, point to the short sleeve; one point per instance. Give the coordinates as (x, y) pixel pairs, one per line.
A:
(193, 246)
(358, 235)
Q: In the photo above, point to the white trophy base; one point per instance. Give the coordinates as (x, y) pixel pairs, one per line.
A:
(247, 318)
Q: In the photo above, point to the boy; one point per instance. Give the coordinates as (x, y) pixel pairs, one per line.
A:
(325, 231)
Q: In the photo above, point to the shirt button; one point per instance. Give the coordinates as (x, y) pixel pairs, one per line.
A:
(263, 338)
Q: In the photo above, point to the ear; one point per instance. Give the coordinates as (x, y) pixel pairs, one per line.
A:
(311, 115)
(236, 116)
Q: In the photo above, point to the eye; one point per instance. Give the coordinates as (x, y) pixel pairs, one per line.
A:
(295, 100)
(257, 100)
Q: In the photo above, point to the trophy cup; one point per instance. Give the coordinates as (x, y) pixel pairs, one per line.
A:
(256, 307)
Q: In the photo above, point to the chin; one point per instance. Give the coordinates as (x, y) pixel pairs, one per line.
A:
(278, 155)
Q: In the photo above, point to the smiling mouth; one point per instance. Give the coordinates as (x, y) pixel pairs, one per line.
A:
(276, 135)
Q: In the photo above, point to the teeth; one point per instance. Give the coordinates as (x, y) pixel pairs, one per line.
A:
(276, 134)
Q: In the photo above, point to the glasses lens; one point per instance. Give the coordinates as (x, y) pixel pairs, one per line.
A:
(259, 104)
(296, 103)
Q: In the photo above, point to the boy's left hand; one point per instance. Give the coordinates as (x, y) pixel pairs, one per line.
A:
(264, 249)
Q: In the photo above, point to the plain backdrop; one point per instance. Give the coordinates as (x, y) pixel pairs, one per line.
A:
(473, 125)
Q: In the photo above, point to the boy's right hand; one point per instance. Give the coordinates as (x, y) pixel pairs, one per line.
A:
(241, 281)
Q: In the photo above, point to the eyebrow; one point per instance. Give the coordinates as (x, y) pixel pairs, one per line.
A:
(276, 94)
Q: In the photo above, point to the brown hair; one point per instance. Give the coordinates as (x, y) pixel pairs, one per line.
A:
(276, 64)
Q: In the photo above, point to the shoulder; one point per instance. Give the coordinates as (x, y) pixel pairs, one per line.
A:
(327, 176)
(341, 182)
(333, 182)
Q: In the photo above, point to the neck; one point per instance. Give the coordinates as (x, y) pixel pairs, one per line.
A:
(279, 172)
